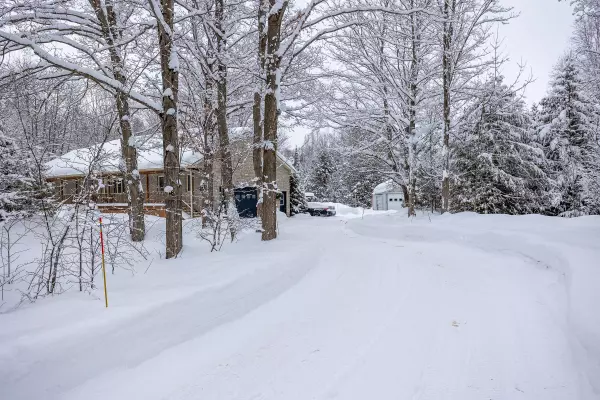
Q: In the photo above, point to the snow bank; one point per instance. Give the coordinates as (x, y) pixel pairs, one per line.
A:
(459, 307)
(346, 212)
(563, 252)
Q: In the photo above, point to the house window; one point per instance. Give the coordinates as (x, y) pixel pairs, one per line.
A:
(161, 183)
(102, 186)
(119, 187)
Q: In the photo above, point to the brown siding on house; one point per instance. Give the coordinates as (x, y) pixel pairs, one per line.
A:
(155, 195)
(65, 189)
(243, 176)
(70, 188)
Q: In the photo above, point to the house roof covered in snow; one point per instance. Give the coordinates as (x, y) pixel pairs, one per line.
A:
(107, 156)
(386, 187)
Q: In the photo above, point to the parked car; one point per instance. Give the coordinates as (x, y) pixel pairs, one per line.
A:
(320, 209)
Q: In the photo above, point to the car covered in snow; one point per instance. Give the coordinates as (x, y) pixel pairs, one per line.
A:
(321, 209)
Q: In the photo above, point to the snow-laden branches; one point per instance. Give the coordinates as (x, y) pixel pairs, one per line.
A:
(87, 40)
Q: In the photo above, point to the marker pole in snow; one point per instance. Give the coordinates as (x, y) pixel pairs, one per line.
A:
(103, 266)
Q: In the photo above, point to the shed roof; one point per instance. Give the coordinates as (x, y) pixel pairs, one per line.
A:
(386, 187)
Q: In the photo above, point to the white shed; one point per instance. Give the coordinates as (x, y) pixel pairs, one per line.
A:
(388, 196)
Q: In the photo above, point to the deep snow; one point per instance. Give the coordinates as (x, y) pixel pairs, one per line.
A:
(370, 307)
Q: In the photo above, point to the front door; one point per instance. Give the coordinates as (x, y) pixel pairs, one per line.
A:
(245, 201)
(283, 202)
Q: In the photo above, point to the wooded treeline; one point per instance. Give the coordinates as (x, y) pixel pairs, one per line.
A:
(422, 100)
(408, 90)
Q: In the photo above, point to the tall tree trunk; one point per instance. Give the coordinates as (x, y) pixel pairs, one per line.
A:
(135, 191)
(208, 128)
(271, 116)
(257, 150)
(447, 81)
(405, 194)
(170, 81)
(258, 139)
(225, 151)
(133, 182)
(412, 145)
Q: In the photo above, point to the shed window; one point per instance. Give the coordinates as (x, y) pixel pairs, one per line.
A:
(391, 199)
(161, 183)
(188, 182)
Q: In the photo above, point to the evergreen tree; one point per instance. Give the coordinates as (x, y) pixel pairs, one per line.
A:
(567, 133)
(322, 179)
(296, 158)
(16, 184)
(297, 199)
(498, 168)
(358, 181)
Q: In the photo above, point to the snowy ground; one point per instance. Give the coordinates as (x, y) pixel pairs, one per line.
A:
(454, 307)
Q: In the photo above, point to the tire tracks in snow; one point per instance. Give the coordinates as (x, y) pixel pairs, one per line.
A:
(143, 335)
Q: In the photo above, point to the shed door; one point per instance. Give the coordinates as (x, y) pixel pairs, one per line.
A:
(379, 202)
(395, 201)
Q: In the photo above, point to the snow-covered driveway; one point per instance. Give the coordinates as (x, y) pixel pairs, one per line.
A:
(462, 307)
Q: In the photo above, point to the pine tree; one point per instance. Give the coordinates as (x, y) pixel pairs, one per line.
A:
(322, 180)
(358, 181)
(498, 169)
(296, 158)
(567, 133)
(297, 199)
(16, 183)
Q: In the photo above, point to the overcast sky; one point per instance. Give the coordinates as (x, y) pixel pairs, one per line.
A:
(537, 38)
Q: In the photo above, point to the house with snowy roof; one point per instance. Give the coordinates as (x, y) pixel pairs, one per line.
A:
(68, 171)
